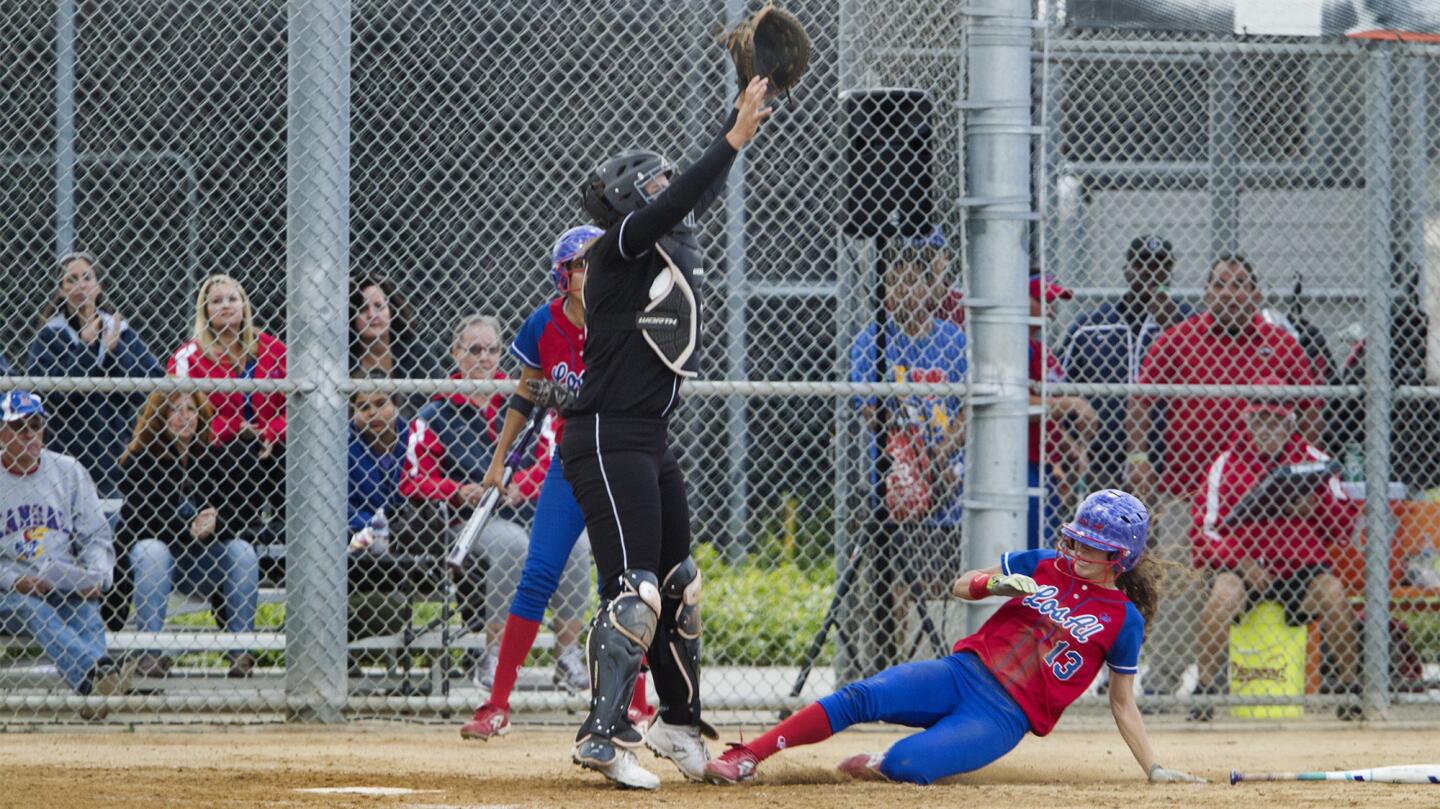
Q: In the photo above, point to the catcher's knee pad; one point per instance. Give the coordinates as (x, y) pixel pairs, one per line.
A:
(675, 655)
(619, 636)
(680, 599)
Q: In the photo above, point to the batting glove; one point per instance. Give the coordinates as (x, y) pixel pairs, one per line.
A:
(1010, 585)
(1162, 775)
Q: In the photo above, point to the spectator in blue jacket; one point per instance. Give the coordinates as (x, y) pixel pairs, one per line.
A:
(378, 437)
(79, 337)
(1107, 344)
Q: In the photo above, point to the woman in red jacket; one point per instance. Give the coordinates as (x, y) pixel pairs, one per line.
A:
(226, 345)
(1282, 555)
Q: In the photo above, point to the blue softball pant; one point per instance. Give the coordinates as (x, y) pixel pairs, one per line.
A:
(557, 526)
(969, 719)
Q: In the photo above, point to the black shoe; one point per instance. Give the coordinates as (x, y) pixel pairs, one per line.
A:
(1206, 712)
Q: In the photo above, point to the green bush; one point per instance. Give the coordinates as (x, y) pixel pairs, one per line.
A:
(762, 614)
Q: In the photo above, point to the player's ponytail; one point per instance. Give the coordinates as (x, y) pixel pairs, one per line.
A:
(1141, 585)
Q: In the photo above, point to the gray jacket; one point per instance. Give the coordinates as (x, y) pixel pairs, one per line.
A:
(52, 515)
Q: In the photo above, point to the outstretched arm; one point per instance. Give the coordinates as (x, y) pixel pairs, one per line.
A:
(693, 186)
(1132, 729)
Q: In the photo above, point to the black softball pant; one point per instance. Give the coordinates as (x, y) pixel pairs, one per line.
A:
(632, 493)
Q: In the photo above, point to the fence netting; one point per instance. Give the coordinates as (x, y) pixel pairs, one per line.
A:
(1211, 212)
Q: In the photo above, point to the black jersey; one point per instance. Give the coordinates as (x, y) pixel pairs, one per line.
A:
(622, 375)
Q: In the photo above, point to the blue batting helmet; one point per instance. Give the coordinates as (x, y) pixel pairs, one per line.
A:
(567, 248)
(1114, 521)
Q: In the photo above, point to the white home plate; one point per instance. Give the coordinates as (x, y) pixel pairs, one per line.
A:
(366, 791)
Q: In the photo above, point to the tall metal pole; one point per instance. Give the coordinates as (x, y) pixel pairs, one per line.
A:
(64, 127)
(737, 299)
(1379, 527)
(1223, 177)
(317, 248)
(998, 211)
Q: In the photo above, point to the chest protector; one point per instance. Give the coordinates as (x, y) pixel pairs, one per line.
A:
(669, 322)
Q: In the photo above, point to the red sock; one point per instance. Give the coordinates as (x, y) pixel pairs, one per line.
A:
(806, 726)
(515, 643)
(638, 700)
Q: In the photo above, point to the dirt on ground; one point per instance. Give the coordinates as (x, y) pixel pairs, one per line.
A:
(273, 766)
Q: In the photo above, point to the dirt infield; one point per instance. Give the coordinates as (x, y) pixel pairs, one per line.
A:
(266, 766)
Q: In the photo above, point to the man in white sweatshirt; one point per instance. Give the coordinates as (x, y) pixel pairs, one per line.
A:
(56, 553)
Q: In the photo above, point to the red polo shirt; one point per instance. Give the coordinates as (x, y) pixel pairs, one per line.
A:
(1195, 352)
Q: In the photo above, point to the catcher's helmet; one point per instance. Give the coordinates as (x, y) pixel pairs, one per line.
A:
(567, 248)
(616, 187)
(1115, 521)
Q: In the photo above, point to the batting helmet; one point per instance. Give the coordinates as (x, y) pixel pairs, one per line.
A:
(569, 247)
(1114, 521)
(616, 187)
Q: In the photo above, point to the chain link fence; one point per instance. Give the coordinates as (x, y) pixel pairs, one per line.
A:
(326, 230)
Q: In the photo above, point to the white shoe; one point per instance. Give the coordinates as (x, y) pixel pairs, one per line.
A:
(682, 744)
(616, 763)
(485, 669)
(570, 671)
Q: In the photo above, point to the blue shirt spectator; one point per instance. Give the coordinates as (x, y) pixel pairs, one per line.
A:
(378, 437)
(920, 348)
(80, 338)
(1107, 344)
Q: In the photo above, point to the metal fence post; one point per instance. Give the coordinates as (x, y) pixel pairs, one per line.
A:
(997, 173)
(64, 127)
(317, 246)
(1379, 528)
(737, 304)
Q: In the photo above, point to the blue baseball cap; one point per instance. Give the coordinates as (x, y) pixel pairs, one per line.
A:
(17, 405)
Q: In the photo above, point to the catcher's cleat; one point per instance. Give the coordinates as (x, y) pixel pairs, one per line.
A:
(864, 767)
(616, 763)
(488, 721)
(682, 744)
(734, 766)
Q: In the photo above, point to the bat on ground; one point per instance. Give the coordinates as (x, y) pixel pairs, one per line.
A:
(1401, 774)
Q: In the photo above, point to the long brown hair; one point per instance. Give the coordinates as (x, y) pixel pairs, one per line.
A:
(1141, 584)
(57, 304)
(150, 436)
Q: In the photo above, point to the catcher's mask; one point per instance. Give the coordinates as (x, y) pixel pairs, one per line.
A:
(616, 187)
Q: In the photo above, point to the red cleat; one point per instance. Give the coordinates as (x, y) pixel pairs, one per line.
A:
(734, 766)
(640, 716)
(488, 721)
(864, 767)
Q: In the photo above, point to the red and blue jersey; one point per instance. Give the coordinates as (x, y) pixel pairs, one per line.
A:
(1046, 648)
(552, 345)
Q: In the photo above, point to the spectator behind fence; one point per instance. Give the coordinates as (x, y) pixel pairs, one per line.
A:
(79, 337)
(1069, 426)
(380, 338)
(923, 436)
(187, 503)
(1275, 548)
(227, 345)
(56, 554)
(379, 523)
(452, 441)
(1228, 345)
(1106, 345)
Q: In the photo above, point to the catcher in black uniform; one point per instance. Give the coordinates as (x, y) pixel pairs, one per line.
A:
(643, 316)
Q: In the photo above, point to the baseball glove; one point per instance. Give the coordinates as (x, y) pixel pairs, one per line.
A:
(772, 44)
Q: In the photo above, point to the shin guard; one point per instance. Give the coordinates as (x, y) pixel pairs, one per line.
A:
(619, 635)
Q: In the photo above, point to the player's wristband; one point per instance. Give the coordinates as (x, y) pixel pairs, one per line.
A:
(1137, 458)
(521, 405)
(980, 587)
